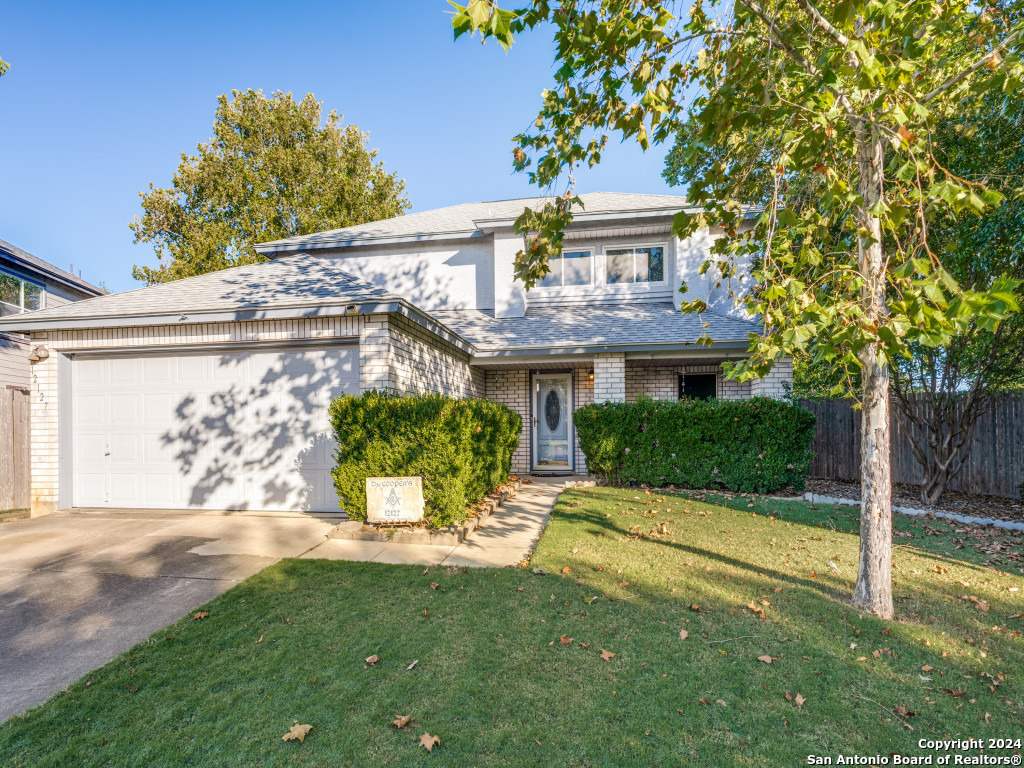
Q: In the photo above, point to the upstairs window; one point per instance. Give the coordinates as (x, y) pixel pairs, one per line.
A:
(571, 268)
(635, 265)
(18, 295)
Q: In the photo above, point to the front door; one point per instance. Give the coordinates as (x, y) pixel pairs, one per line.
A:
(552, 422)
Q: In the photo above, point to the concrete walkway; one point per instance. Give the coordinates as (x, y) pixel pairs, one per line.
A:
(507, 537)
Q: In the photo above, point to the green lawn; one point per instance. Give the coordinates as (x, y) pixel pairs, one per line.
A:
(496, 684)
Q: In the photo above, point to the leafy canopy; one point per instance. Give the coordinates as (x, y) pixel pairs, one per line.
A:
(273, 169)
(806, 89)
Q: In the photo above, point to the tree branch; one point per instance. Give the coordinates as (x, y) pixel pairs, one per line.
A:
(971, 69)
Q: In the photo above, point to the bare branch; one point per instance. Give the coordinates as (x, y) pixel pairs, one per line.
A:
(824, 23)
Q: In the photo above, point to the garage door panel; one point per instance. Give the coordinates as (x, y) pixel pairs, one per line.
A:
(91, 410)
(125, 371)
(157, 371)
(90, 489)
(125, 408)
(246, 430)
(125, 449)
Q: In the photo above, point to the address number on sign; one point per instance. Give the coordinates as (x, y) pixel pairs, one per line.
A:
(394, 499)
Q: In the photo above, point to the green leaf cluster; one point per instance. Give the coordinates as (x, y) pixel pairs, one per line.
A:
(461, 447)
(758, 445)
(274, 168)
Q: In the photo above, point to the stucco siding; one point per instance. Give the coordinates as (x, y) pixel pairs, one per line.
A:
(449, 276)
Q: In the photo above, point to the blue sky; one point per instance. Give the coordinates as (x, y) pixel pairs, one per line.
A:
(102, 99)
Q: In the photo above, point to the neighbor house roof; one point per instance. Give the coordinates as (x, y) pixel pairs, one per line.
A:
(35, 264)
(255, 290)
(472, 220)
(588, 326)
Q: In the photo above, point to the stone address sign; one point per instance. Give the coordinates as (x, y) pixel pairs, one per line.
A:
(394, 499)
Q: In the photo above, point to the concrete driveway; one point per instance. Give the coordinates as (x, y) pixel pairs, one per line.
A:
(78, 588)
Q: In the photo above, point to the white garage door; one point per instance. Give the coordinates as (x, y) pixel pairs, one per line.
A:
(245, 429)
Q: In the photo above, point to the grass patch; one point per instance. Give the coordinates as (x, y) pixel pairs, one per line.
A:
(13, 514)
(499, 688)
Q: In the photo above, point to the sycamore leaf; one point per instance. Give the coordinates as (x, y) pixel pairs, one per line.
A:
(927, 668)
(565, 640)
(683, 634)
(765, 659)
(401, 721)
(567, 570)
(412, 666)
(297, 733)
(607, 655)
(200, 615)
(433, 585)
(427, 742)
(260, 640)
(371, 660)
(799, 701)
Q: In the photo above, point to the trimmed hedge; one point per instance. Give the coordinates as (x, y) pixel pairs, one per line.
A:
(462, 448)
(756, 445)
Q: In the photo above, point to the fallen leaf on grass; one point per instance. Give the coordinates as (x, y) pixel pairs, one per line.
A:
(412, 666)
(297, 733)
(565, 640)
(426, 611)
(798, 699)
(433, 585)
(903, 712)
(540, 571)
(200, 615)
(765, 659)
(719, 701)
(683, 634)
(589, 599)
(401, 721)
(607, 655)
(427, 742)
(371, 660)
(694, 607)
(567, 570)
(260, 640)
(927, 668)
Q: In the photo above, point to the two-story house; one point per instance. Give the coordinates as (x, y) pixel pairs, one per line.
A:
(212, 392)
(27, 284)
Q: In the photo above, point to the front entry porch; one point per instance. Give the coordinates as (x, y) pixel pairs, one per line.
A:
(545, 393)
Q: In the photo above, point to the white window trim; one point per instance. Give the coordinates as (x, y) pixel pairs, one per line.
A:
(574, 288)
(21, 297)
(634, 247)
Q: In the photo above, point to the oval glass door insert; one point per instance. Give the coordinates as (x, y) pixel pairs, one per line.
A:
(552, 410)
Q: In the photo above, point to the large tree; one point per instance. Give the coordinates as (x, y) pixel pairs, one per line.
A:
(851, 91)
(274, 168)
(939, 391)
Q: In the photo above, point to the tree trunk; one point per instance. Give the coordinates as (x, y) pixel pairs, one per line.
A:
(873, 591)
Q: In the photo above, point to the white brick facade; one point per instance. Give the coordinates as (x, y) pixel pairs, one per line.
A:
(513, 389)
(397, 355)
(778, 383)
(610, 377)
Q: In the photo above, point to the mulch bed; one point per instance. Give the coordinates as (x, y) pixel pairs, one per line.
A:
(994, 507)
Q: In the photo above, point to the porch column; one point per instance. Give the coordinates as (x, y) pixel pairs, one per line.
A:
(610, 377)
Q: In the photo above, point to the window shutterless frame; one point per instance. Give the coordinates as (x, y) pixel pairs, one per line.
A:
(19, 293)
(572, 253)
(613, 251)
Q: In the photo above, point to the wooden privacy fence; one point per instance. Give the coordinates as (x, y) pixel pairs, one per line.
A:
(995, 465)
(14, 448)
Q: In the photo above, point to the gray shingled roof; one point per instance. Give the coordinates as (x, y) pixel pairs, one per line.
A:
(290, 282)
(591, 325)
(47, 268)
(460, 220)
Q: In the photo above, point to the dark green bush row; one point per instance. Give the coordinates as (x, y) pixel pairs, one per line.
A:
(461, 448)
(756, 445)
